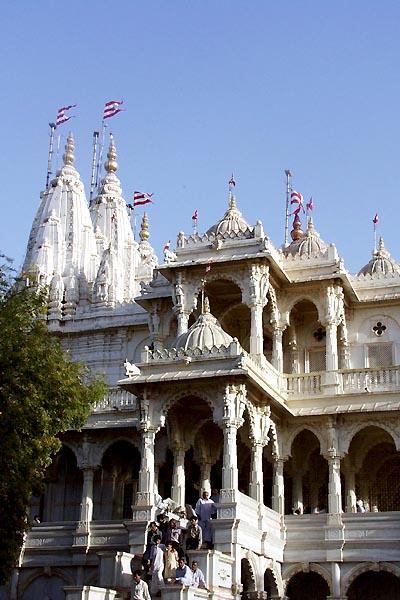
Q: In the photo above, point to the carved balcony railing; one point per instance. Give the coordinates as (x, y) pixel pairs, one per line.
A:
(304, 384)
(116, 399)
(60, 535)
(347, 381)
(383, 379)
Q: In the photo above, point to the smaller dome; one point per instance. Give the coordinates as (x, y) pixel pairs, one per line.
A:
(381, 262)
(231, 222)
(205, 332)
(311, 244)
(305, 244)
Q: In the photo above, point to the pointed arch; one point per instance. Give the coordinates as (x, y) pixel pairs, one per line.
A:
(358, 570)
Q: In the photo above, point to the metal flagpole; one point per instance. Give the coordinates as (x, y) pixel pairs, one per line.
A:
(50, 157)
(58, 151)
(134, 223)
(100, 154)
(375, 221)
(289, 176)
(94, 164)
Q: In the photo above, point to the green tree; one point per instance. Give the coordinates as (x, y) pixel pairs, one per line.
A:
(42, 393)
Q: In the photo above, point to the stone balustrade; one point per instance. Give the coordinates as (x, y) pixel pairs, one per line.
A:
(365, 536)
(116, 399)
(301, 384)
(383, 379)
(350, 381)
(60, 534)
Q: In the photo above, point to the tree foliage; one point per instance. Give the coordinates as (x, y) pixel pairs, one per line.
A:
(42, 393)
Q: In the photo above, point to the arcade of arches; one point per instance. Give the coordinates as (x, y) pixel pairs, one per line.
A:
(188, 458)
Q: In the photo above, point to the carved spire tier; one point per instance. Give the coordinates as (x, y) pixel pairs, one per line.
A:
(61, 245)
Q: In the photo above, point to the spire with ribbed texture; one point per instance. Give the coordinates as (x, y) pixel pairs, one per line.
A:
(119, 252)
(62, 243)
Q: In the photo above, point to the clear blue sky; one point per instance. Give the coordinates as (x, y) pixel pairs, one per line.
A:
(212, 86)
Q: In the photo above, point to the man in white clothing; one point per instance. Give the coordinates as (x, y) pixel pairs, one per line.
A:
(198, 580)
(205, 508)
(183, 574)
(140, 589)
(157, 565)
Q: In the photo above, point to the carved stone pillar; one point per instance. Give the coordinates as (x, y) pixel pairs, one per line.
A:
(294, 353)
(334, 484)
(331, 347)
(205, 476)
(256, 331)
(145, 494)
(278, 487)
(229, 460)
(86, 508)
(178, 477)
(298, 492)
(256, 488)
(351, 499)
(183, 321)
(277, 351)
(233, 407)
(87, 464)
(256, 300)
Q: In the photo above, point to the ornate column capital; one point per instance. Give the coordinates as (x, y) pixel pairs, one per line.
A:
(258, 285)
(234, 402)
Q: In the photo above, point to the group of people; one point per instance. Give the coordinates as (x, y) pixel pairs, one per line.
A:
(168, 540)
(184, 575)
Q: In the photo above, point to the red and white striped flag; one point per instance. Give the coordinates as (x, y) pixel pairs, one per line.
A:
(195, 215)
(232, 182)
(62, 114)
(140, 198)
(310, 205)
(167, 245)
(112, 108)
(297, 198)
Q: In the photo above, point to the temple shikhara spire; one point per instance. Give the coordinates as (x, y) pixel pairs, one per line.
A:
(261, 395)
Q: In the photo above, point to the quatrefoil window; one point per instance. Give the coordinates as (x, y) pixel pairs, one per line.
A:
(319, 334)
(379, 328)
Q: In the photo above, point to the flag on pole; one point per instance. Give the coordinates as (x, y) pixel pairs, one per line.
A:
(112, 108)
(297, 198)
(62, 116)
(208, 267)
(140, 198)
(167, 245)
(375, 220)
(310, 205)
(232, 182)
(195, 215)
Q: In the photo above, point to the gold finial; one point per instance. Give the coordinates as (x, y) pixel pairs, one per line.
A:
(296, 233)
(111, 164)
(144, 229)
(69, 157)
(232, 201)
(206, 307)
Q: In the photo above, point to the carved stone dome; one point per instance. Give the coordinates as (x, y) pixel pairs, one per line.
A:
(308, 243)
(381, 262)
(205, 332)
(311, 244)
(231, 222)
